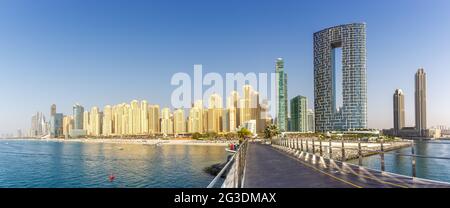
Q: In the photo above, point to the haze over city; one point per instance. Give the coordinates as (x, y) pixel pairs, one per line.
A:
(64, 52)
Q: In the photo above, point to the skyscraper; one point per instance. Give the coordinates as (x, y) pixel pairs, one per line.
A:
(299, 117)
(56, 125)
(352, 112)
(421, 100)
(153, 119)
(399, 109)
(78, 112)
(95, 123)
(311, 122)
(144, 117)
(67, 125)
(215, 113)
(135, 117)
(166, 121)
(38, 125)
(52, 110)
(179, 122)
(107, 124)
(281, 91)
(195, 121)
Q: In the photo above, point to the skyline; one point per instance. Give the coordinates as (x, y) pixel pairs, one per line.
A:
(96, 55)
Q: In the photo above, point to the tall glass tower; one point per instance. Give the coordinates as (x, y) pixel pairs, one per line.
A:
(421, 100)
(352, 112)
(281, 90)
(299, 114)
(78, 112)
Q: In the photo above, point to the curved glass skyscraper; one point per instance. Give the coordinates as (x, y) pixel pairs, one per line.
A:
(352, 112)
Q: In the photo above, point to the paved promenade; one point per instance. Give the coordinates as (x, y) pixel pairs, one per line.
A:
(276, 167)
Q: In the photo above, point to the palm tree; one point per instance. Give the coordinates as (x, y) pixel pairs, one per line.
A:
(271, 131)
(243, 133)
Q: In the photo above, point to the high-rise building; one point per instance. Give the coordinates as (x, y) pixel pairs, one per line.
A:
(52, 110)
(135, 117)
(311, 124)
(166, 121)
(421, 100)
(281, 95)
(215, 113)
(68, 125)
(399, 109)
(144, 117)
(78, 112)
(233, 110)
(56, 125)
(153, 119)
(352, 112)
(38, 125)
(107, 123)
(95, 123)
(86, 123)
(195, 120)
(299, 117)
(179, 123)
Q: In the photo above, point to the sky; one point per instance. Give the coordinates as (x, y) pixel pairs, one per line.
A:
(112, 51)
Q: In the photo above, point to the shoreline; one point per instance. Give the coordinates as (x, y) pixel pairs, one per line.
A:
(134, 141)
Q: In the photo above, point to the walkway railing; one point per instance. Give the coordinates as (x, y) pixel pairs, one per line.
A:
(316, 146)
(234, 170)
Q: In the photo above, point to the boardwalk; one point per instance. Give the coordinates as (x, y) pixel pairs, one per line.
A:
(270, 167)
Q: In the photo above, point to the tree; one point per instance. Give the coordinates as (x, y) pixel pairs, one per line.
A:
(196, 135)
(243, 133)
(271, 131)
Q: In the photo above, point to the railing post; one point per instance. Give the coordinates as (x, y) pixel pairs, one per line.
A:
(301, 145)
(413, 160)
(359, 152)
(320, 147)
(307, 148)
(330, 150)
(382, 156)
(343, 150)
(313, 147)
(296, 139)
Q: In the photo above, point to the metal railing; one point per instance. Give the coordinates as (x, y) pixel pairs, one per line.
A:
(234, 170)
(306, 144)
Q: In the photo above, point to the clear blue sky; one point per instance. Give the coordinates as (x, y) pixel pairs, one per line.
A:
(108, 52)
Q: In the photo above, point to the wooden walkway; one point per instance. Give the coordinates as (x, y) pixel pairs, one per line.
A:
(276, 167)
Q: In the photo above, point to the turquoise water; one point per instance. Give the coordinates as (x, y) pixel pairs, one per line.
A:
(435, 169)
(76, 164)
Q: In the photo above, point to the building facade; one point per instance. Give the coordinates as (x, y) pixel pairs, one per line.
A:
(281, 95)
(399, 110)
(78, 114)
(299, 116)
(421, 100)
(329, 115)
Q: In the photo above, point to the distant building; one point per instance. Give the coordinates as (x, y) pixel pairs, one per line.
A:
(281, 95)
(250, 125)
(179, 122)
(352, 112)
(420, 130)
(166, 121)
(56, 125)
(38, 125)
(311, 120)
(52, 110)
(399, 109)
(78, 115)
(299, 116)
(421, 100)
